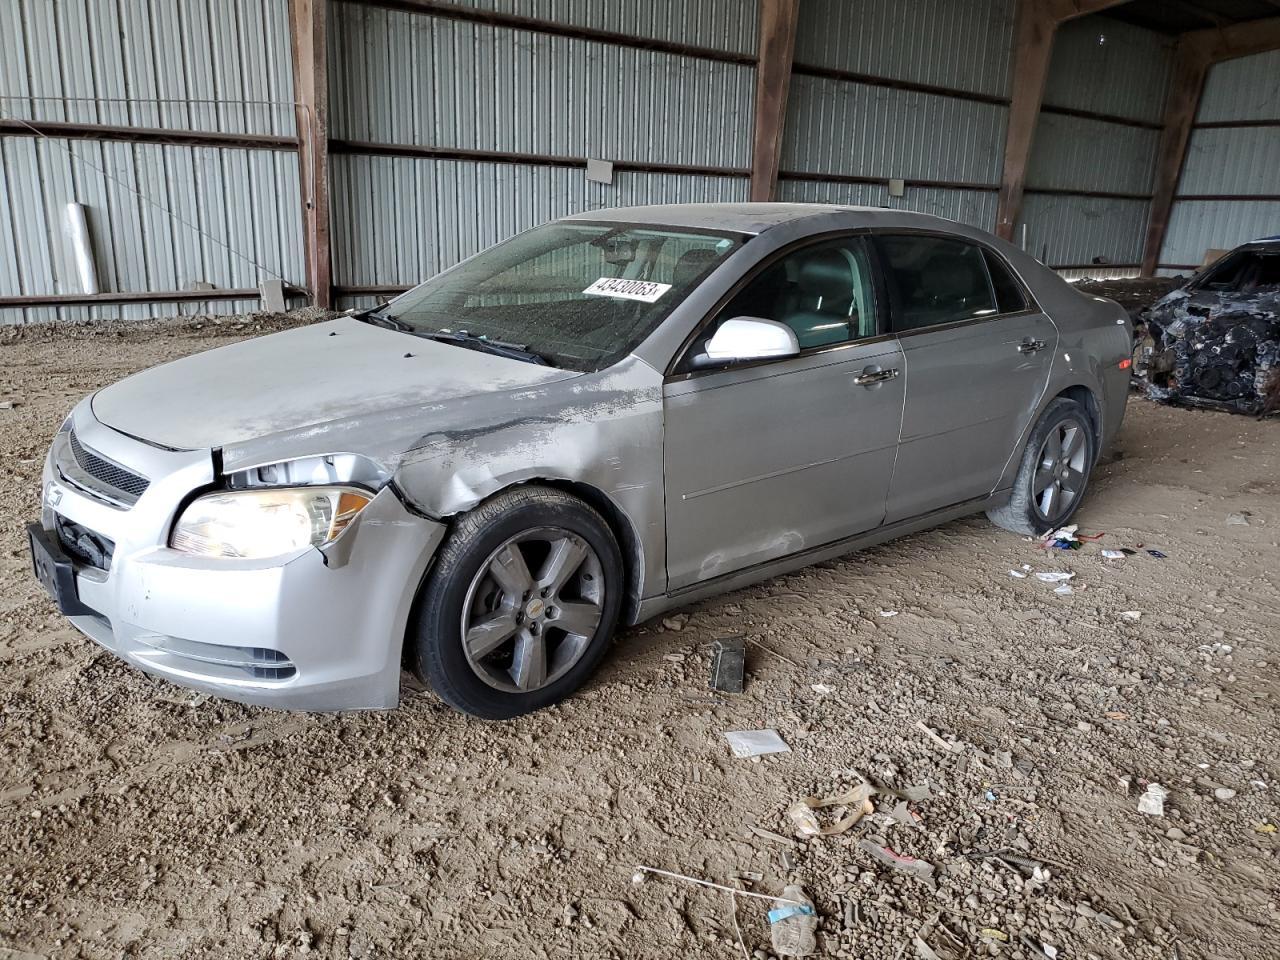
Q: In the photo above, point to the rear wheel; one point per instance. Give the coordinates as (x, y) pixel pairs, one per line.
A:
(1054, 471)
(521, 604)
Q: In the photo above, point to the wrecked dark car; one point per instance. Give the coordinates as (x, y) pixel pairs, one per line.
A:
(1215, 342)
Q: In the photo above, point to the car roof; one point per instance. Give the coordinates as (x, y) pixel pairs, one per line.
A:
(755, 218)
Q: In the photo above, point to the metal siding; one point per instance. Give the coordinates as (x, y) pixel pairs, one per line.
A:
(142, 63)
(1074, 153)
(834, 126)
(961, 44)
(1196, 226)
(728, 25)
(1235, 160)
(1106, 66)
(246, 199)
(1065, 230)
(974, 207)
(414, 79)
(1243, 89)
(447, 210)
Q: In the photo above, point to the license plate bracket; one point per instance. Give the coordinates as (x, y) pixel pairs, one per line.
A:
(54, 569)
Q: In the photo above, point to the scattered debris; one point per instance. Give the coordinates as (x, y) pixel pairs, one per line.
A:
(793, 928)
(821, 689)
(991, 933)
(1265, 828)
(1238, 519)
(1152, 802)
(755, 743)
(1115, 554)
(1224, 793)
(888, 613)
(944, 744)
(764, 834)
(1056, 576)
(1018, 573)
(1157, 554)
(856, 801)
(1063, 588)
(905, 815)
(641, 871)
(728, 665)
(1131, 614)
(920, 869)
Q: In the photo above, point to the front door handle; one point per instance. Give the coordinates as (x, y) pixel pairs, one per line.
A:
(872, 376)
(1030, 346)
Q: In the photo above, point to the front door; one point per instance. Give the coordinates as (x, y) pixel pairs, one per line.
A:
(977, 352)
(771, 458)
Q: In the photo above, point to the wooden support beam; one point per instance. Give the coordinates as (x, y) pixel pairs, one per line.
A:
(1033, 32)
(1190, 67)
(1035, 23)
(773, 80)
(309, 34)
(1195, 54)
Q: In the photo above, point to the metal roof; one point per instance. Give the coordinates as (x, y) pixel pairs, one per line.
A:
(1181, 16)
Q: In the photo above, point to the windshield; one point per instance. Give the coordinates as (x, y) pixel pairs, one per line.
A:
(580, 295)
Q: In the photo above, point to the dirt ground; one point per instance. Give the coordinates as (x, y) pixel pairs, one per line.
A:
(140, 820)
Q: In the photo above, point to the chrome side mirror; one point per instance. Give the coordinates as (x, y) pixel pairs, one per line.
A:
(751, 338)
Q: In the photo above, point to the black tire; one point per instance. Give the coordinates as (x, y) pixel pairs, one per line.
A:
(1024, 513)
(436, 635)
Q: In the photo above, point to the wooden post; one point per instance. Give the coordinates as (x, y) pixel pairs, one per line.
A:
(309, 34)
(773, 80)
(1196, 53)
(1190, 67)
(1036, 22)
(1033, 32)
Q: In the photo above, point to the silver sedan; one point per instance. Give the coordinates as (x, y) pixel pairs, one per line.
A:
(584, 426)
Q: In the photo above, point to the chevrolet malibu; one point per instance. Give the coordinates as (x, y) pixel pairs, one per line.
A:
(593, 422)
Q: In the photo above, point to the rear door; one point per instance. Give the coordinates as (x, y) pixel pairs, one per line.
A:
(977, 352)
(767, 459)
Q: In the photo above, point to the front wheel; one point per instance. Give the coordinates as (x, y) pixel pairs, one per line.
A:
(1054, 471)
(521, 604)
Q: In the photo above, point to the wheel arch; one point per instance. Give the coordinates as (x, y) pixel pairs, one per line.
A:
(1084, 396)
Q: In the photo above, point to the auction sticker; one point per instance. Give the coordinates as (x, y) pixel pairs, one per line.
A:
(645, 290)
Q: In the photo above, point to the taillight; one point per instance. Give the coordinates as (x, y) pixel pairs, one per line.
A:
(1126, 363)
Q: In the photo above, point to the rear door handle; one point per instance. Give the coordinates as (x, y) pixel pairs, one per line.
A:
(871, 376)
(1030, 346)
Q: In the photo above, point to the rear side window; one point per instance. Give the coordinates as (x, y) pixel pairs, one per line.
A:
(1245, 271)
(935, 280)
(1010, 297)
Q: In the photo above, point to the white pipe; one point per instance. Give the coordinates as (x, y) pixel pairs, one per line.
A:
(76, 228)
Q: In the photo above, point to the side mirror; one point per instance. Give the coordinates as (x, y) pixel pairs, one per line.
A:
(751, 338)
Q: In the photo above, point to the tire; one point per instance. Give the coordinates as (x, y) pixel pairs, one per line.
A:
(533, 568)
(1029, 511)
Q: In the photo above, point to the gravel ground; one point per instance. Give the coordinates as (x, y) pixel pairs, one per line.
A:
(140, 820)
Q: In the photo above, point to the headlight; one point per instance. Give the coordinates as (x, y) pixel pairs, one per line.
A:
(255, 524)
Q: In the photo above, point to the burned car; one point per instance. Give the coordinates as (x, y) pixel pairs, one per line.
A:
(1215, 341)
(591, 423)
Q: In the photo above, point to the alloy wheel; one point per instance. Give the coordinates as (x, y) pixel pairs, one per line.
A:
(532, 609)
(1061, 469)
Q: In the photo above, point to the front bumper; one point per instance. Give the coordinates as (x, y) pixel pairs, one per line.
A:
(310, 631)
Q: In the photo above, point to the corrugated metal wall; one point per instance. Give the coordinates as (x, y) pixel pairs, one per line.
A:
(872, 130)
(1229, 165)
(414, 79)
(161, 216)
(1099, 66)
(728, 25)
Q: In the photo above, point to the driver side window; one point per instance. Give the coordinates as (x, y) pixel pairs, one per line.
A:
(823, 292)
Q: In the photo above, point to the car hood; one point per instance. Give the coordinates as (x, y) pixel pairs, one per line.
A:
(299, 378)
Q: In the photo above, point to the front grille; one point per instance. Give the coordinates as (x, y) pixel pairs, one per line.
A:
(82, 544)
(104, 471)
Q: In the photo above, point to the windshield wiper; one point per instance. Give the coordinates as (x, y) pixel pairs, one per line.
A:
(380, 319)
(500, 348)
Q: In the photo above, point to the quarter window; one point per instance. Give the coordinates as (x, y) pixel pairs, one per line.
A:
(1010, 297)
(935, 280)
